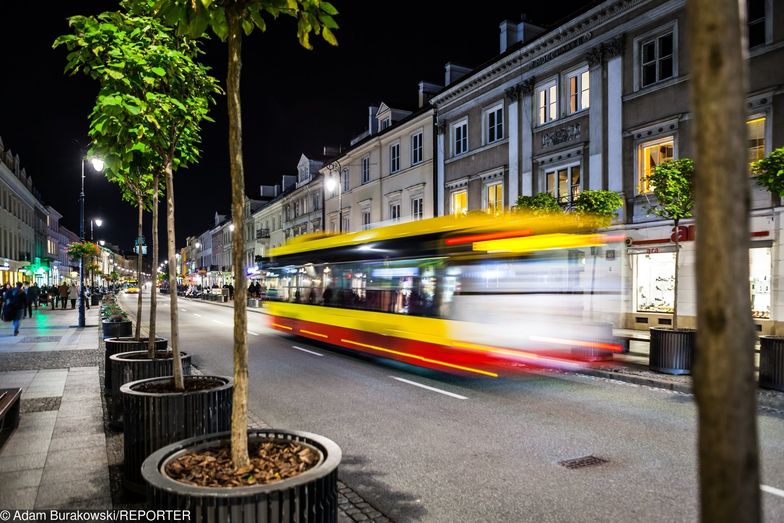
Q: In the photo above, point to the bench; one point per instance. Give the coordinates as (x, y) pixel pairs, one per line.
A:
(10, 401)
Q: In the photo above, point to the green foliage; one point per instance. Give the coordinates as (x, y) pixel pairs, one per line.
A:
(114, 276)
(770, 171)
(673, 187)
(194, 17)
(542, 203)
(603, 205)
(153, 94)
(83, 249)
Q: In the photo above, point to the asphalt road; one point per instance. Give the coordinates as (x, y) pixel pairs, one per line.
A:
(490, 450)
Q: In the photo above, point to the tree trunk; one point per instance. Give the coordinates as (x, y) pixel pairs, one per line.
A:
(139, 268)
(724, 368)
(239, 414)
(677, 265)
(179, 382)
(154, 289)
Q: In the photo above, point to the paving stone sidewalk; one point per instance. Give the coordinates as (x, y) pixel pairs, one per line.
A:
(57, 456)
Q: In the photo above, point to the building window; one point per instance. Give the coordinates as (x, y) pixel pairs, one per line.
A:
(365, 219)
(494, 198)
(657, 59)
(333, 226)
(417, 208)
(346, 223)
(460, 202)
(394, 211)
(760, 265)
(494, 123)
(547, 102)
(386, 122)
(651, 154)
(366, 169)
(563, 183)
(756, 130)
(345, 180)
(394, 158)
(416, 148)
(756, 22)
(460, 138)
(579, 90)
(655, 282)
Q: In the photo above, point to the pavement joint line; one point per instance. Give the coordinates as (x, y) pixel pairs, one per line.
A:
(306, 350)
(772, 490)
(440, 391)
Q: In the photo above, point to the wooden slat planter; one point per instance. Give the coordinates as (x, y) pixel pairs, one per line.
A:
(153, 420)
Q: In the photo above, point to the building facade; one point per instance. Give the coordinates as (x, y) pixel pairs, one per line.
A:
(302, 206)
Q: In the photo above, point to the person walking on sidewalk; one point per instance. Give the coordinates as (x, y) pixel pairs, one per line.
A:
(54, 296)
(73, 293)
(35, 294)
(13, 306)
(27, 310)
(63, 295)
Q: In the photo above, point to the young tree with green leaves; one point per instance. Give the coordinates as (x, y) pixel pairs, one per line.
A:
(541, 203)
(672, 183)
(600, 204)
(770, 171)
(153, 96)
(228, 20)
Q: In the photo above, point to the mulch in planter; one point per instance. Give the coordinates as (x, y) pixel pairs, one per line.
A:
(191, 385)
(271, 460)
(158, 355)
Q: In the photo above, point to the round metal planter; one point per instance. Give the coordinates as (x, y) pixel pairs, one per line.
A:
(128, 344)
(771, 363)
(126, 367)
(153, 420)
(117, 329)
(309, 497)
(672, 351)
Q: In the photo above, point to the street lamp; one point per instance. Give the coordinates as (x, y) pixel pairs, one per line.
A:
(97, 221)
(97, 164)
(101, 242)
(332, 183)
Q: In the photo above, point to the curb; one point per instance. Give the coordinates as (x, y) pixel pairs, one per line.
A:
(257, 311)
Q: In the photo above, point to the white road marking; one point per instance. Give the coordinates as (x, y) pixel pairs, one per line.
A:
(772, 490)
(447, 393)
(306, 350)
(254, 333)
(218, 322)
(183, 309)
(199, 315)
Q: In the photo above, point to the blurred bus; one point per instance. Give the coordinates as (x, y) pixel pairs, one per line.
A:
(472, 294)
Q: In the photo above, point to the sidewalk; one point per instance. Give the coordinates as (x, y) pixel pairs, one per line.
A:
(57, 457)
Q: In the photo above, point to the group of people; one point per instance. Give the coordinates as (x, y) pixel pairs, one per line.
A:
(255, 290)
(17, 302)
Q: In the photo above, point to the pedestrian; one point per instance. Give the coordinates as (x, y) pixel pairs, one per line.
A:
(87, 297)
(27, 310)
(231, 291)
(63, 295)
(73, 293)
(35, 295)
(14, 303)
(54, 296)
(6, 289)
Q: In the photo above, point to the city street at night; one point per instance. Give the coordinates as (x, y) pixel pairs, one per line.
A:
(474, 449)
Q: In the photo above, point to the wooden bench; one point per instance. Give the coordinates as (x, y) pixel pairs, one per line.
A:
(10, 401)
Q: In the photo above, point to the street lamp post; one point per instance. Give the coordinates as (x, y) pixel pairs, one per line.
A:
(98, 222)
(333, 182)
(98, 166)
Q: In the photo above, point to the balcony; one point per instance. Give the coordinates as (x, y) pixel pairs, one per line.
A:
(262, 234)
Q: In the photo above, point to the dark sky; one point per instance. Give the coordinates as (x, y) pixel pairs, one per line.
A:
(294, 100)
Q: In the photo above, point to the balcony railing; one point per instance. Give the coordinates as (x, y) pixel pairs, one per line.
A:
(262, 233)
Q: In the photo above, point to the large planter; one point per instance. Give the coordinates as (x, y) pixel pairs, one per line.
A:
(134, 366)
(771, 363)
(311, 496)
(117, 329)
(155, 419)
(126, 344)
(672, 351)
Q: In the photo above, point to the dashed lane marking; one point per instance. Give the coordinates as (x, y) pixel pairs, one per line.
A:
(183, 309)
(414, 383)
(306, 350)
(254, 333)
(772, 490)
(195, 314)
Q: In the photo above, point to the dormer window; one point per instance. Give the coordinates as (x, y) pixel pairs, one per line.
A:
(386, 122)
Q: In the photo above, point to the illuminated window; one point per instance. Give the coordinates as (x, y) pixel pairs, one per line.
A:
(756, 130)
(579, 90)
(759, 281)
(494, 198)
(417, 208)
(655, 282)
(547, 102)
(460, 202)
(563, 183)
(651, 154)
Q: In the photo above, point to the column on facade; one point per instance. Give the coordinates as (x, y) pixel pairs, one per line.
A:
(596, 119)
(440, 153)
(527, 137)
(513, 95)
(613, 52)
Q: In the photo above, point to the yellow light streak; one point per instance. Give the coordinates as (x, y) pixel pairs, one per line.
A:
(314, 333)
(282, 326)
(421, 358)
(540, 243)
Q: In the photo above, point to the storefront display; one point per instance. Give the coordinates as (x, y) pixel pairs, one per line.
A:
(655, 282)
(759, 276)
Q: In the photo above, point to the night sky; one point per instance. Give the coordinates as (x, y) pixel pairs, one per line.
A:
(294, 101)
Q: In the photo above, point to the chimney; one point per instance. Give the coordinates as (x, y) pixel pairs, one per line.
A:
(454, 72)
(330, 151)
(372, 120)
(288, 181)
(426, 92)
(268, 192)
(512, 33)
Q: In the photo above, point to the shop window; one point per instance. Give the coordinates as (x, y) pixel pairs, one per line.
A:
(460, 202)
(655, 282)
(759, 282)
(494, 198)
(563, 183)
(756, 131)
(651, 154)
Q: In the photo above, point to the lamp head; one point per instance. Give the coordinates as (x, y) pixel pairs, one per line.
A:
(331, 184)
(97, 164)
(101, 242)
(98, 222)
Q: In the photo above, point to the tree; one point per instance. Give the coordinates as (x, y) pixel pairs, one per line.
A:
(724, 383)
(229, 19)
(770, 171)
(602, 205)
(672, 183)
(153, 96)
(541, 203)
